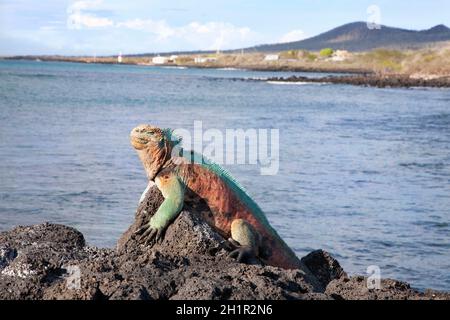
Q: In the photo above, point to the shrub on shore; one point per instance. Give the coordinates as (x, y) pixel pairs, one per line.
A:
(290, 54)
(384, 60)
(325, 53)
(307, 55)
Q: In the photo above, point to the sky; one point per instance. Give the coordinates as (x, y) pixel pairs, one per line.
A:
(107, 27)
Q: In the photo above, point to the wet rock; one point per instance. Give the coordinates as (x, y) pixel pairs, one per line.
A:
(371, 80)
(324, 267)
(51, 261)
(35, 255)
(44, 234)
(356, 288)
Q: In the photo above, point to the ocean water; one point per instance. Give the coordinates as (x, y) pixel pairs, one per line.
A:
(364, 172)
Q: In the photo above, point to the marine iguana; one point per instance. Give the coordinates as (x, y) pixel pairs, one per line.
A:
(232, 212)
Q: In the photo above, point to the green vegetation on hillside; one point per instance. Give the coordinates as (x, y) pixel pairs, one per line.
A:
(325, 53)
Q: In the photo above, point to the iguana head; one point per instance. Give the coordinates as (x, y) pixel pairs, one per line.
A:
(154, 147)
(144, 136)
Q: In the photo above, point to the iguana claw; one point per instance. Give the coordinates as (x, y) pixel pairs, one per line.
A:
(140, 230)
(242, 254)
(230, 244)
(149, 235)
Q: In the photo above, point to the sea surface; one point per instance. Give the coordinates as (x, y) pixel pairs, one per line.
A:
(364, 173)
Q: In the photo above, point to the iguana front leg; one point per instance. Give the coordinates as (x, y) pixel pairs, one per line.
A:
(172, 190)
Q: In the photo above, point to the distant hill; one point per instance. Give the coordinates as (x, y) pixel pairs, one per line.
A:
(357, 37)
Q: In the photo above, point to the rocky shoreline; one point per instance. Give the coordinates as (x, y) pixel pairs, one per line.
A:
(355, 76)
(282, 68)
(371, 80)
(50, 261)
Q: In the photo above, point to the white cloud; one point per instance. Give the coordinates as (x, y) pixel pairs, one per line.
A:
(291, 36)
(78, 19)
(209, 35)
(84, 5)
(194, 35)
(213, 35)
(159, 27)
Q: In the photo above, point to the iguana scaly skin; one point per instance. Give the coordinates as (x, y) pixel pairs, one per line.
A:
(232, 212)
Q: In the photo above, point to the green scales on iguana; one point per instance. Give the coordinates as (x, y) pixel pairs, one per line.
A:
(232, 212)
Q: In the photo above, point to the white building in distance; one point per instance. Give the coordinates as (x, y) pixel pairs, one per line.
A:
(160, 60)
(173, 58)
(271, 57)
(340, 55)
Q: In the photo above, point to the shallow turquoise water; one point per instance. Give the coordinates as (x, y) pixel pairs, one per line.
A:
(364, 173)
